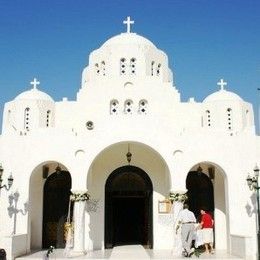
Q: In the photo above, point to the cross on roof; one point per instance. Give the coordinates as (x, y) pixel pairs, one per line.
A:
(34, 83)
(128, 23)
(222, 84)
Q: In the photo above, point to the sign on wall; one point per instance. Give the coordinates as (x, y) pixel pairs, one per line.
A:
(164, 206)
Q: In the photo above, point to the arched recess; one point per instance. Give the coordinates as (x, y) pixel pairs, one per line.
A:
(200, 192)
(207, 186)
(107, 161)
(128, 208)
(49, 199)
(55, 208)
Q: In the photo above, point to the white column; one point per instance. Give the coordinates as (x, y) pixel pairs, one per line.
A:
(177, 244)
(178, 199)
(79, 227)
(79, 199)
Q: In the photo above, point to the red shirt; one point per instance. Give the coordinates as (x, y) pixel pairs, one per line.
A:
(207, 221)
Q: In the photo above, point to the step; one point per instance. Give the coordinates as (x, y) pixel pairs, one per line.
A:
(130, 252)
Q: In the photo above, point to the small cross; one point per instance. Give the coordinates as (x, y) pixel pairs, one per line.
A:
(222, 84)
(128, 23)
(34, 83)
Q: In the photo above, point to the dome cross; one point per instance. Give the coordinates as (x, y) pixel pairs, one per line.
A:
(128, 23)
(222, 84)
(34, 83)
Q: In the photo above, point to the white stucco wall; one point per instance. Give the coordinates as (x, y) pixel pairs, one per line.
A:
(167, 141)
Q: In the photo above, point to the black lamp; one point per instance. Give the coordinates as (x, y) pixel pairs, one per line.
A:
(58, 169)
(10, 179)
(129, 155)
(253, 185)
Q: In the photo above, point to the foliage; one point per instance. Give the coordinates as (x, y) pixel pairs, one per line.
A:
(80, 196)
(178, 196)
(197, 252)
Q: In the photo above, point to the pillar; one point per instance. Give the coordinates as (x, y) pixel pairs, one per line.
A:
(79, 199)
(177, 198)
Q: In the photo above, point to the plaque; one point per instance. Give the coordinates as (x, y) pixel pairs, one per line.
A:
(164, 206)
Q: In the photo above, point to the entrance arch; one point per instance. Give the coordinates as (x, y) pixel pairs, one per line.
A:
(128, 208)
(209, 181)
(200, 192)
(55, 208)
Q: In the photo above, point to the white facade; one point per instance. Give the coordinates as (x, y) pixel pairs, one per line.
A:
(127, 102)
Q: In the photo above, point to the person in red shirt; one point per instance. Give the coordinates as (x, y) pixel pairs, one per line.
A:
(206, 224)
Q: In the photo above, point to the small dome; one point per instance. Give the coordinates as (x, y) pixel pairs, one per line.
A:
(223, 95)
(128, 39)
(34, 94)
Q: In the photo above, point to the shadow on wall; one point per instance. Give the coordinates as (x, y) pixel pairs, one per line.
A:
(251, 209)
(94, 208)
(13, 209)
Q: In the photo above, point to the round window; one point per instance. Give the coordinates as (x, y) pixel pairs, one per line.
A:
(90, 125)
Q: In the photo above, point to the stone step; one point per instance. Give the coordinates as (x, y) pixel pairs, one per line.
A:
(130, 252)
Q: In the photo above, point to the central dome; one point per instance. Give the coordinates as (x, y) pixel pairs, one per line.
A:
(127, 55)
(128, 39)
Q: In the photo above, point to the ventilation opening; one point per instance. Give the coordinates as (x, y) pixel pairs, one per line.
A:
(27, 119)
(114, 107)
(229, 119)
(48, 118)
(128, 107)
(142, 107)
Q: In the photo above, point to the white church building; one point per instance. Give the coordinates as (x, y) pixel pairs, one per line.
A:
(119, 152)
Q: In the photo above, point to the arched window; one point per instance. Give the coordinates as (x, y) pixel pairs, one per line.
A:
(122, 66)
(103, 68)
(128, 107)
(114, 107)
(229, 119)
(152, 68)
(208, 118)
(27, 119)
(158, 71)
(97, 69)
(142, 107)
(48, 118)
(133, 66)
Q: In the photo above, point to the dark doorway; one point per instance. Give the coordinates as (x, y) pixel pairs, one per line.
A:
(128, 210)
(55, 209)
(200, 192)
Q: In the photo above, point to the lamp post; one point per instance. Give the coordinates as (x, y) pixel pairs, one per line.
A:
(253, 185)
(9, 180)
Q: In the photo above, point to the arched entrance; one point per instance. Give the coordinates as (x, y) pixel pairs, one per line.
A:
(207, 186)
(128, 208)
(200, 192)
(55, 208)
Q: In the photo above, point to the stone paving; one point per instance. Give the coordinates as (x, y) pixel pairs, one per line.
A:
(124, 253)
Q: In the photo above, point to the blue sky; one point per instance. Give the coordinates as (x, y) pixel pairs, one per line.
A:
(205, 40)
